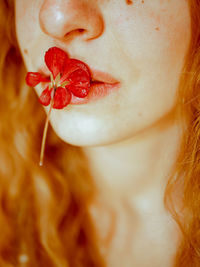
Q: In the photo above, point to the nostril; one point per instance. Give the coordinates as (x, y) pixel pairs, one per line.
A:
(72, 34)
(81, 30)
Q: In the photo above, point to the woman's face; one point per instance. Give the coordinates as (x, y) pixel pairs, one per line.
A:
(141, 45)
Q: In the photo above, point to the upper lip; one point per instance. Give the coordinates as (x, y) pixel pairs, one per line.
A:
(96, 75)
(100, 76)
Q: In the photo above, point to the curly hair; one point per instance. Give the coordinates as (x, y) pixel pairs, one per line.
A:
(184, 180)
(44, 211)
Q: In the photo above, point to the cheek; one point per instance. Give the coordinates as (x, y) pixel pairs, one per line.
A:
(26, 22)
(155, 40)
(174, 32)
(172, 26)
(153, 28)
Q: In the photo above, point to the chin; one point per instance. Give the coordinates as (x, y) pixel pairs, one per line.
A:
(91, 137)
(87, 141)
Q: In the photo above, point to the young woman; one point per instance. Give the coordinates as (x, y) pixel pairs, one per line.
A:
(120, 183)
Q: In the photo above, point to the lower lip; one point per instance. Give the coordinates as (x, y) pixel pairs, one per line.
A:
(97, 91)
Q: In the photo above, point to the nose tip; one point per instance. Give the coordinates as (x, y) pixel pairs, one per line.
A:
(63, 18)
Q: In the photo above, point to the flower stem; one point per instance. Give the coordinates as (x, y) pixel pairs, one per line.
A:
(45, 133)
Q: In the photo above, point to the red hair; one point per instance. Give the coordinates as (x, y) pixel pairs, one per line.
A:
(182, 194)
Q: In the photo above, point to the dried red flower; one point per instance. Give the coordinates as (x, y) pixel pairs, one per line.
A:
(33, 78)
(71, 74)
(68, 76)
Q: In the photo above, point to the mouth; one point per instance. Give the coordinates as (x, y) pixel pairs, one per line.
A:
(100, 76)
(96, 75)
(102, 84)
(97, 90)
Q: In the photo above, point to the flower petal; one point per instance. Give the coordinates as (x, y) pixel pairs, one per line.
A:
(78, 91)
(79, 83)
(56, 59)
(73, 65)
(62, 98)
(45, 97)
(34, 78)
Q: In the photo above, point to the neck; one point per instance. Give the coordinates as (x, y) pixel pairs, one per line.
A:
(128, 208)
(137, 165)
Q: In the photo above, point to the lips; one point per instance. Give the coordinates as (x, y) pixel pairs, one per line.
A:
(100, 76)
(97, 91)
(102, 84)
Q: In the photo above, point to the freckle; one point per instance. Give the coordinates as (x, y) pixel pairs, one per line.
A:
(157, 28)
(129, 2)
(142, 1)
(25, 51)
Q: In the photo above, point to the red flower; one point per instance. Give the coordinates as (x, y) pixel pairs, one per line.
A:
(69, 76)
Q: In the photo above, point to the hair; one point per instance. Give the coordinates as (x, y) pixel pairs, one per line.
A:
(44, 212)
(184, 180)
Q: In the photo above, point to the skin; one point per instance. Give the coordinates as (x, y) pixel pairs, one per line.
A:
(131, 136)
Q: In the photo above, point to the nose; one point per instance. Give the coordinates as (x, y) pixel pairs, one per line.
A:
(64, 18)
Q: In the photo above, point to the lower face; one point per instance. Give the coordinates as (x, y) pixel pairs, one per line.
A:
(142, 45)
